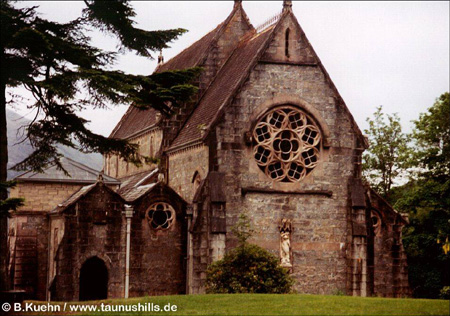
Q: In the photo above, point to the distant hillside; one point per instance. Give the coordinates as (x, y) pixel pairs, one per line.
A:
(19, 149)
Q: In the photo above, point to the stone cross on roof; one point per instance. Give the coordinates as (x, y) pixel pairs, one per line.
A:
(160, 58)
(287, 5)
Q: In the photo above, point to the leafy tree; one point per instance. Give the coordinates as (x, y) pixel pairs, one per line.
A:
(243, 229)
(388, 153)
(427, 200)
(432, 135)
(65, 73)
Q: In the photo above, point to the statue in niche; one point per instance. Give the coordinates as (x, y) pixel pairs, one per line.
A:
(285, 243)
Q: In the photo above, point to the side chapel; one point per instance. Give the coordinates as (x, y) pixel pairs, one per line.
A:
(268, 135)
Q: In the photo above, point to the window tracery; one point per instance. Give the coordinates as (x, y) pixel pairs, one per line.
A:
(286, 144)
(160, 215)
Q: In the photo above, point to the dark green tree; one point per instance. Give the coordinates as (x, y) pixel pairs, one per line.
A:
(57, 63)
(387, 156)
(427, 201)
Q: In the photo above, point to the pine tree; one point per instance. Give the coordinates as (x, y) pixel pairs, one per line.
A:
(57, 63)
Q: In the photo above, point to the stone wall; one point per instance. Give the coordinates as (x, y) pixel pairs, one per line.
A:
(320, 222)
(43, 196)
(94, 226)
(183, 166)
(28, 242)
(208, 230)
(319, 218)
(149, 145)
(158, 257)
(387, 256)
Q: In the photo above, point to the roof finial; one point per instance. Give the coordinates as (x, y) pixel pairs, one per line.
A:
(287, 5)
(100, 177)
(237, 3)
(160, 58)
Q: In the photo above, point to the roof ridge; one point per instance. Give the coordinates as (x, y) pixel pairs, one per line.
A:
(243, 41)
(269, 22)
(252, 65)
(216, 36)
(219, 28)
(210, 39)
(77, 195)
(220, 32)
(82, 166)
(48, 177)
(216, 29)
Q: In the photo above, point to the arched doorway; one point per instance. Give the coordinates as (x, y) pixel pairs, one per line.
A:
(93, 280)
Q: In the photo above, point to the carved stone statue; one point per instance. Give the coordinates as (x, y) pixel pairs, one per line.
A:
(285, 243)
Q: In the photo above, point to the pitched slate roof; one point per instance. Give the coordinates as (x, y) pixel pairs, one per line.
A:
(136, 120)
(79, 173)
(193, 55)
(225, 84)
(133, 187)
(133, 121)
(80, 193)
(136, 193)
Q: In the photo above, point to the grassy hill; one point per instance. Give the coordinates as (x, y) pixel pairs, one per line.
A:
(264, 304)
(19, 149)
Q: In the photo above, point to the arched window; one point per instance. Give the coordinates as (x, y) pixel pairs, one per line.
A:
(286, 43)
(151, 146)
(117, 166)
(196, 180)
(107, 164)
(286, 144)
(376, 222)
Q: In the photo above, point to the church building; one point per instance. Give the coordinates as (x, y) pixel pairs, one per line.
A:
(268, 136)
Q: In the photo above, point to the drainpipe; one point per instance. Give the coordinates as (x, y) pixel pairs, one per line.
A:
(128, 215)
(49, 256)
(190, 254)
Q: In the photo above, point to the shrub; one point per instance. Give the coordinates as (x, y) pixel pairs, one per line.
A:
(445, 293)
(248, 269)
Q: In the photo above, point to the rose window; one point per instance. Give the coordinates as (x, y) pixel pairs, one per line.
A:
(160, 215)
(286, 144)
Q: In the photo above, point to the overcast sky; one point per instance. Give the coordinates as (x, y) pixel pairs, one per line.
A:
(394, 54)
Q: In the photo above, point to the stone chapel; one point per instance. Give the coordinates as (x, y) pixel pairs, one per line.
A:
(268, 135)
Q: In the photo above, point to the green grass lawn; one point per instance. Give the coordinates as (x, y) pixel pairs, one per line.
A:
(272, 304)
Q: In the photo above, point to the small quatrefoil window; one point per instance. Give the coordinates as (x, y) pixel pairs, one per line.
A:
(160, 215)
(286, 144)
